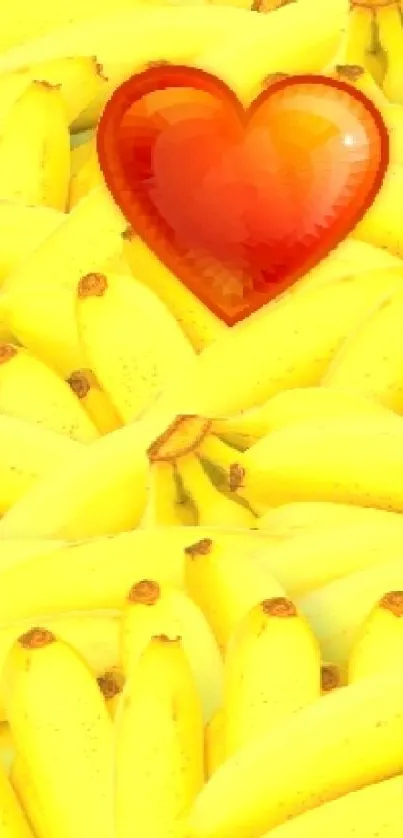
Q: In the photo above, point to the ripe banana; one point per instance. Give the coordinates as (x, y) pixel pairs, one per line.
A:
(81, 145)
(370, 361)
(298, 356)
(23, 785)
(380, 225)
(165, 505)
(22, 230)
(350, 257)
(95, 401)
(345, 460)
(58, 717)
(38, 299)
(272, 669)
(212, 507)
(114, 313)
(220, 456)
(32, 391)
(389, 21)
(100, 492)
(35, 164)
(374, 811)
(159, 747)
(28, 452)
(226, 583)
(379, 642)
(293, 519)
(7, 749)
(362, 41)
(291, 407)
(14, 823)
(337, 611)
(153, 609)
(87, 177)
(128, 41)
(214, 743)
(200, 325)
(325, 750)
(98, 573)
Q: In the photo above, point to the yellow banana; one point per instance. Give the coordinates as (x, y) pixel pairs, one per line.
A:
(38, 299)
(165, 505)
(14, 823)
(216, 453)
(298, 356)
(293, 519)
(159, 748)
(360, 78)
(111, 684)
(35, 163)
(370, 361)
(199, 324)
(32, 391)
(96, 403)
(214, 743)
(379, 642)
(174, 34)
(153, 609)
(7, 749)
(17, 550)
(226, 584)
(98, 573)
(345, 460)
(24, 787)
(86, 178)
(101, 491)
(362, 41)
(81, 145)
(114, 314)
(374, 811)
(389, 21)
(58, 717)
(380, 225)
(22, 230)
(325, 750)
(212, 507)
(291, 407)
(336, 611)
(272, 669)
(331, 677)
(350, 257)
(27, 453)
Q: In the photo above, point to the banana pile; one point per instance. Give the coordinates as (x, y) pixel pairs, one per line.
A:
(201, 529)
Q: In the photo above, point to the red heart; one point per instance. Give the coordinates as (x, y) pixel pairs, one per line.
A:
(239, 204)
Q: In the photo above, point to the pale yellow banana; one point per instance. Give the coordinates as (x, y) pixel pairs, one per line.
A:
(132, 361)
(350, 257)
(212, 507)
(226, 583)
(371, 812)
(199, 324)
(380, 225)
(293, 519)
(370, 362)
(35, 149)
(100, 491)
(22, 230)
(95, 401)
(98, 573)
(32, 391)
(153, 609)
(58, 718)
(38, 300)
(214, 742)
(337, 611)
(297, 354)
(159, 743)
(379, 642)
(346, 460)
(23, 784)
(13, 820)
(325, 750)
(272, 669)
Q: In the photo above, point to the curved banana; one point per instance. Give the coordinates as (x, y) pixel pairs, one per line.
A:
(23, 784)
(100, 492)
(316, 756)
(226, 583)
(272, 669)
(390, 33)
(14, 823)
(362, 40)
(293, 519)
(7, 749)
(22, 230)
(57, 716)
(32, 391)
(95, 401)
(214, 742)
(380, 225)
(114, 313)
(165, 505)
(153, 609)
(38, 299)
(159, 743)
(379, 643)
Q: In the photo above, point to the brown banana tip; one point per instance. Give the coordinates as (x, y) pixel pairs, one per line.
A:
(393, 602)
(279, 607)
(164, 638)
(146, 592)
(111, 684)
(200, 548)
(351, 72)
(92, 285)
(236, 477)
(330, 677)
(36, 638)
(79, 383)
(7, 351)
